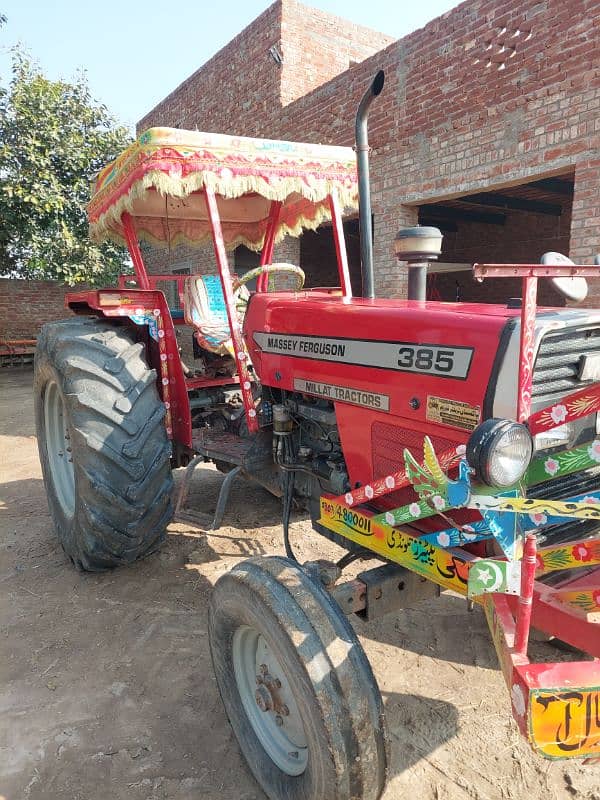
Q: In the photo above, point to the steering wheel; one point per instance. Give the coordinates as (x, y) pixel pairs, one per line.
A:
(272, 269)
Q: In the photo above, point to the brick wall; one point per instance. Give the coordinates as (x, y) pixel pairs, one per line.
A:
(488, 95)
(242, 88)
(26, 305)
(317, 46)
(448, 124)
(234, 91)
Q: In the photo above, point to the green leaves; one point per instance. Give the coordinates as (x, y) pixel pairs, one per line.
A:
(53, 138)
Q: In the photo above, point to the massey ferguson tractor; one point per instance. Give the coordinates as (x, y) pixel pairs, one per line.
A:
(454, 442)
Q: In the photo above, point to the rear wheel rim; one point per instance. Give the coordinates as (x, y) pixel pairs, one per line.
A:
(261, 680)
(58, 448)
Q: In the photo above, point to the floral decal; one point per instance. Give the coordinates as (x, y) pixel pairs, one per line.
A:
(594, 451)
(469, 532)
(538, 519)
(539, 563)
(551, 466)
(559, 413)
(443, 539)
(581, 552)
(518, 700)
(438, 502)
(591, 500)
(415, 509)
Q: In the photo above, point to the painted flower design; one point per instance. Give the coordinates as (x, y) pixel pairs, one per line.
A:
(518, 701)
(469, 532)
(438, 502)
(581, 552)
(591, 500)
(461, 449)
(414, 509)
(539, 563)
(349, 499)
(390, 482)
(538, 519)
(389, 518)
(559, 414)
(596, 597)
(443, 539)
(551, 466)
(369, 492)
(594, 450)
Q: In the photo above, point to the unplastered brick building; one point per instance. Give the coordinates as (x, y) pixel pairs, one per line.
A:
(488, 127)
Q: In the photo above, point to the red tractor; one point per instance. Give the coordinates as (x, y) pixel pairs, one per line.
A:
(456, 442)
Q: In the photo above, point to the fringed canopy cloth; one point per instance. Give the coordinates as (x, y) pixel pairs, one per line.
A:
(159, 181)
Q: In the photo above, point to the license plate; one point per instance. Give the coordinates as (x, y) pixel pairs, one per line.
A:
(589, 368)
(566, 722)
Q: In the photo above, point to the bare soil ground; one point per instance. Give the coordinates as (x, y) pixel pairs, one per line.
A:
(106, 687)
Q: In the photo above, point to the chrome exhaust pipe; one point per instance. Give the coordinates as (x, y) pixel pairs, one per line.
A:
(364, 187)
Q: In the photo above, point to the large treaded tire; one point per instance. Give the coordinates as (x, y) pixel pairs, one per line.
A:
(120, 503)
(326, 668)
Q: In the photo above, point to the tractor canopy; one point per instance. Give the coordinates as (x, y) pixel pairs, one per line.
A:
(159, 181)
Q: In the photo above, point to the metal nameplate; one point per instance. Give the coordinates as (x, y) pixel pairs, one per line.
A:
(343, 394)
(452, 412)
(443, 361)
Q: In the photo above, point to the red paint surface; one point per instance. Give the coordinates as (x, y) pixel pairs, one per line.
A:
(234, 327)
(321, 314)
(179, 405)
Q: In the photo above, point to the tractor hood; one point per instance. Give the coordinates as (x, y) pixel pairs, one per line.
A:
(399, 369)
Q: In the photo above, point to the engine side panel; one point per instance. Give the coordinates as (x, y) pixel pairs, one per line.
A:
(384, 363)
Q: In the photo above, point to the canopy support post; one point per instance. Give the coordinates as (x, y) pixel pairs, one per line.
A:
(134, 251)
(266, 257)
(340, 244)
(239, 348)
(526, 347)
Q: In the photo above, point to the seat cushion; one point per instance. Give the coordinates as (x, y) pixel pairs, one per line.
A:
(206, 312)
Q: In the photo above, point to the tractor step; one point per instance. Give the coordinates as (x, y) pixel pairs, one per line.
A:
(249, 454)
(245, 456)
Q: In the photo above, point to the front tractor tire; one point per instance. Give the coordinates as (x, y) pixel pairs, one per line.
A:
(103, 446)
(296, 685)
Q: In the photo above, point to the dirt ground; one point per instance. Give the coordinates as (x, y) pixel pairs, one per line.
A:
(106, 686)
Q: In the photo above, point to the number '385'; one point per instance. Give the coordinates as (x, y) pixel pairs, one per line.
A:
(425, 359)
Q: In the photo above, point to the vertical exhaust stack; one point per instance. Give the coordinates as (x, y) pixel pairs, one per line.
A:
(364, 187)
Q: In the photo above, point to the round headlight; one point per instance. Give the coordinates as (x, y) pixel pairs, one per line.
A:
(499, 451)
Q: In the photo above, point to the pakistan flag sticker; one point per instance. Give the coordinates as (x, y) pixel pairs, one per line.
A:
(488, 576)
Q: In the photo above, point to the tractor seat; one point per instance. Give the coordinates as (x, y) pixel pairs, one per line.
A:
(205, 310)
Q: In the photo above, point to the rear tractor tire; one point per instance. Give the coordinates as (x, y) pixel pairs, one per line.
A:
(296, 685)
(103, 446)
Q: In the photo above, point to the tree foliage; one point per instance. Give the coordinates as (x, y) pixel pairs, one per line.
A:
(53, 139)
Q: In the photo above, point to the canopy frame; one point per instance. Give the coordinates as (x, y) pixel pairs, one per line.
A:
(143, 280)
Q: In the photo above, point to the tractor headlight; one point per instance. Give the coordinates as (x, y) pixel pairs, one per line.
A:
(499, 451)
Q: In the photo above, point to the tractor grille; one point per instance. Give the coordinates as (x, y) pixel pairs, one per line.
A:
(555, 375)
(387, 448)
(556, 371)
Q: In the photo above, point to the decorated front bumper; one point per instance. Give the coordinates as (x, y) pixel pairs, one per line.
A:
(557, 706)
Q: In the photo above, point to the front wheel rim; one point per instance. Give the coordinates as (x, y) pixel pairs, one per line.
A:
(58, 448)
(268, 701)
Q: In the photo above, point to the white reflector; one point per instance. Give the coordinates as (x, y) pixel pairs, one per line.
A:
(574, 289)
